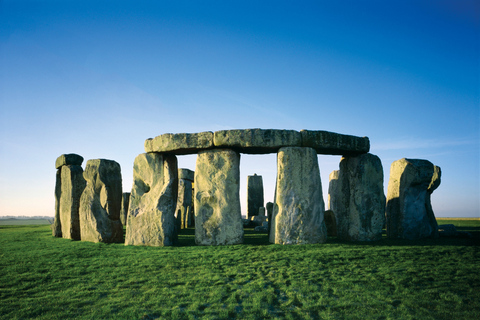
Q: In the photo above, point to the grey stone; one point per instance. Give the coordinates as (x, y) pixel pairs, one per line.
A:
(151, 215)
(56, 226)
(72, 188)
(325, 142)
(70, 159)
(254, 194)
(186, 174)
(180, 143)
(409, 210)
(333, 189)
(257, 141)
(218, 219)
(359, 200)
(330, 223)
(298, 210)
(124, 207)
(184, 203)
(261, 212)
(101, 201)
(269, 208)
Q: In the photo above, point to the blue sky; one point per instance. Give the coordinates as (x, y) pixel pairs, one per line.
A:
(97, 78)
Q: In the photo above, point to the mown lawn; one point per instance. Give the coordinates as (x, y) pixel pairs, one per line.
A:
(50, 278)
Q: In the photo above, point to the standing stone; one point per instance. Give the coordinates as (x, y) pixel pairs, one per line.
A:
(333, 189)
(218, 219)
(409, 210)
(68, 190)
(299, 206)
(151, 215)
(269, 208)
(184, 202)
(330, 223)
(124, 208)
(359, 200)
(101, 201)
(254, 194)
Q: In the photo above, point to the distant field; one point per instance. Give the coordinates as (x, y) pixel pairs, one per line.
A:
(16, 222)
(50, 278)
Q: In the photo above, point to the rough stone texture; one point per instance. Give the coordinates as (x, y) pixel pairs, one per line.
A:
(101, 201)
(333, 188)
(269, 208)
(325, 142)
(180, 143)
(184, 203)
(151, 216)
(186, 174)
(72, 188)
(56, 226)
(218, 219)
(124, 207)
(359, 200)
(299, 207)
(409, 210)
(70, 159)
(254, 194)
(257, 141)
(331, 223)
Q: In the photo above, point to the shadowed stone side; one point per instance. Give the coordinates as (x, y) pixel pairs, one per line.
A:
(359, 199)
(299, 207)
(409, 210)
(124, 208)
(333, 189)
(325, 142)
(151, 216)
(100, 202)
(257, 141)
(57, 227)
(180, 143)
(70, 159)
(185, 198)
(218, 219)
(73, 185)
(254, 195)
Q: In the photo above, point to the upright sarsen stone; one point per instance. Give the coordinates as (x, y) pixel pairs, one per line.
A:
(254, 195)
(409, 210)
(124, 208)
(151, 215)
(299, 207)
(218, 219)
(101, 201)
(358, 199)
(185, 214)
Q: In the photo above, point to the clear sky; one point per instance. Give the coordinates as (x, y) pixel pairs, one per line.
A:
(97, 78)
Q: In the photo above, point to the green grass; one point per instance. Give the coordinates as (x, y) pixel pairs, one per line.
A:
(50, 278)
(18, 222)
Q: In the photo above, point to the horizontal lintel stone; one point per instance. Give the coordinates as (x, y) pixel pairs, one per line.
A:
(325, 142)
(186, 174)
(70, 159)
(180, 143)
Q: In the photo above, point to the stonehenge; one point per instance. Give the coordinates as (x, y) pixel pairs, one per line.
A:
(90, 205)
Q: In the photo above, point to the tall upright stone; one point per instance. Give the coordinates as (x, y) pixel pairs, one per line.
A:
(299, 207)
(333, 189)
(218, 219)
(254, 195)
(151, 215)
(124, 208)
(68, 190)
(409, 209)
(185, 213)
(101, 201)
(357, 198)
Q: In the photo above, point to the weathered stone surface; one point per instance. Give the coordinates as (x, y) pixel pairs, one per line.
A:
(124, 207)
(72, 188)
(186, 174)
(184, 203)
(70, 159)
(299, 207)
(101, 201)
(330, 223)
(180, 143)
(151, 216)
(218, 219)
(325, 142)
(56, 226)
(359, 200)
(409, 210)
(254, 194)
(257, 141)
(269, 208)
(333, 188)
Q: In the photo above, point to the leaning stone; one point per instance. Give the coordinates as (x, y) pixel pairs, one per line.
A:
(330, 223)
(325, 142)
(151, 216)
(72, 188)
(101, 201)
(257, 141)
(218, 219)
(124, 208)
(254, 195)
(70, 159)
(409, 210)
(299, 207)
(180, 143)
(359, 203)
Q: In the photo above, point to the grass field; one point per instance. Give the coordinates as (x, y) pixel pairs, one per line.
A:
(50, 278)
